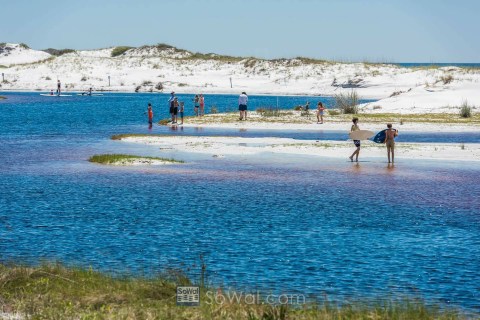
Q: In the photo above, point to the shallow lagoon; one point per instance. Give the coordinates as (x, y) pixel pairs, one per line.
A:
(290, 224)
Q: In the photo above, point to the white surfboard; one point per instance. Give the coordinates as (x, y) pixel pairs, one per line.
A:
(55, 95)
(361, 134)
(88, 95)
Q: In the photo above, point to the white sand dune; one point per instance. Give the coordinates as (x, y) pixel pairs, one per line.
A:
(400, 90)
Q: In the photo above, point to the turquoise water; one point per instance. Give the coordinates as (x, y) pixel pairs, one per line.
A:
(288, 224)
(438, 64)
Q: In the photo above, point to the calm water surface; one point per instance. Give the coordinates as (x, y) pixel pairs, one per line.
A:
(290, 224)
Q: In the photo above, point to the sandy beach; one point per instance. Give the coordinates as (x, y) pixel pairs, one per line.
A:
(231, 147)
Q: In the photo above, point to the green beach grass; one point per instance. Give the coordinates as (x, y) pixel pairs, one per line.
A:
(127, 158)
(333, 115)
(53, 291)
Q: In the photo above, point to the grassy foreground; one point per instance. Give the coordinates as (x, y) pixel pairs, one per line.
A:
(127, 158)
(53, 291)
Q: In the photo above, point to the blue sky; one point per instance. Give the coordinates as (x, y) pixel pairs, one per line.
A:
(352, 30)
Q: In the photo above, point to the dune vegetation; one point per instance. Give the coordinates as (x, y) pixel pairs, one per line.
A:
(54, 291)
(129, 159)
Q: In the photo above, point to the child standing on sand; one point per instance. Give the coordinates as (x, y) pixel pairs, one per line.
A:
(181, 110)
(390, 135)
(355, 127)
(320, 110)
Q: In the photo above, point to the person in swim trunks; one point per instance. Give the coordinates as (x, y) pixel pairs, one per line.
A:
(150, 116)
(242, 105)
(390, 135)
(355, 127)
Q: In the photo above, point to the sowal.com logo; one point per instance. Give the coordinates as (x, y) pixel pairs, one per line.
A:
(188, 296)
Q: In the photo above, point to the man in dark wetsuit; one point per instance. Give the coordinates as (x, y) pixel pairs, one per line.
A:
(171, 104)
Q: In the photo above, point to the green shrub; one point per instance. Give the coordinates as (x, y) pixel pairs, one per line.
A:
(465, 110)
(147, 83)
(84, 78)
(164, 46)
(333, 112)
(269, 112)
(24, 46)
(48, 78)
(119, 50)
(347, 102)
(159, 86)
(56, 52)
(446, 79)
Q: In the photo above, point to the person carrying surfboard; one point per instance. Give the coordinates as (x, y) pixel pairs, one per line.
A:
(390, 135)
(355, 127)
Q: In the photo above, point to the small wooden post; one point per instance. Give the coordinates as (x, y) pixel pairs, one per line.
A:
(109, 81)
(231, 86)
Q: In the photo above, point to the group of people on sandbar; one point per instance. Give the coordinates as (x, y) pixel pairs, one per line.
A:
(177, 108)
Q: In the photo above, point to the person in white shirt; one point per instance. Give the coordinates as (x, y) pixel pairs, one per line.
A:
(242, 105)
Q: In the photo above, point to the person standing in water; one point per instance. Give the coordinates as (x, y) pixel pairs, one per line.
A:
(242, 105)
(320, 110)
(355, 127)
(390, 135)
(196, 102)
(150, 116)
(202, 105)
(171, 104)
(181, 110)
(59, 88)
(175, 111)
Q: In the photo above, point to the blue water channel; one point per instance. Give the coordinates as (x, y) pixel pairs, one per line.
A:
(302, 224)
